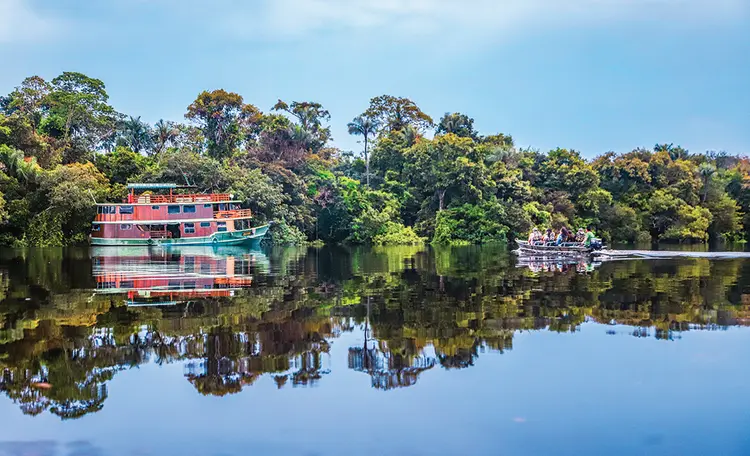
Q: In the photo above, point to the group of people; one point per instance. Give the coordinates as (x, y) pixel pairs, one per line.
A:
(582, 237)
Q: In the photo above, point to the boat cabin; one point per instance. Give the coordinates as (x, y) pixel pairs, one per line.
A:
(176, 215)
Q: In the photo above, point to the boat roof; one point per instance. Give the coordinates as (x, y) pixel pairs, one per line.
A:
(180, 203)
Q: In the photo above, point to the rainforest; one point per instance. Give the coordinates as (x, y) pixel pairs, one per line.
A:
(418, 178)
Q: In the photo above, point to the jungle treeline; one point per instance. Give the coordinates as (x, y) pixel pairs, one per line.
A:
(417, 178)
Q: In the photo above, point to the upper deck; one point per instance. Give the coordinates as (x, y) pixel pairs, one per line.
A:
(169, 208)
(179, 198)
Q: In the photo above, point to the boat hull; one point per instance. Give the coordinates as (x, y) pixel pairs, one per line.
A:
(546, 251)
(219, 238)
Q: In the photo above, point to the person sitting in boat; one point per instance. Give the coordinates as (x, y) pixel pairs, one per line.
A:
(588, 237)
(535, 236)
(564, 236)
(580, 236)
(549, 236)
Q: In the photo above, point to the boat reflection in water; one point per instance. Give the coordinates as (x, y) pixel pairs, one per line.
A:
(211, 309)
(160, 277)
(562, 264)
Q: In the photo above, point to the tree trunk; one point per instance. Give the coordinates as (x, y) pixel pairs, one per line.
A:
(367, 164)
(705, 190)
(441, 199)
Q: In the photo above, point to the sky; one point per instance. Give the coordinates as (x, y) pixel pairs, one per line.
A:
(590, 75)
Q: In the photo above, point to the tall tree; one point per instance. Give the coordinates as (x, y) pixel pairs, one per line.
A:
(79, 110)
(458, 124)
(221, 115)
(706, 170)
(364, 126)
(310, 116)
(28, 99)
(446, 166)
(136, 135)
(164, 134)
(396, 113)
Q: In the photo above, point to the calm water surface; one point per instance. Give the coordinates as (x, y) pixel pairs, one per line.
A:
(405, 351)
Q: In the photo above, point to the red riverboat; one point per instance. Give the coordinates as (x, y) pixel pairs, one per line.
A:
(175, 218)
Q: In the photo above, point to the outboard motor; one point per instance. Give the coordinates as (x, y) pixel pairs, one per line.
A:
(596, 244)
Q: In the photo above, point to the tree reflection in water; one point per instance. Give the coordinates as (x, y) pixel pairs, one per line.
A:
(65, 331)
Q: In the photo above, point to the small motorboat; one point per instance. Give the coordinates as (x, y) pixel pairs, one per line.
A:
(550, 249)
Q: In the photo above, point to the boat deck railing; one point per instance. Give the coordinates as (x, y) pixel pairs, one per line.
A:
(236, 213)
(160, 234)
(182, 198)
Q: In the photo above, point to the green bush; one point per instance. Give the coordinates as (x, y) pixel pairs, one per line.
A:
(397, 234)
(471, 224)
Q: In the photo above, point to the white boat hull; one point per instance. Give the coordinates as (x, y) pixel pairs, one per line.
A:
(548, 251)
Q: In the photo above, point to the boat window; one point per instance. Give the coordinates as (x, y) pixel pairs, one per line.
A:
(105, 209)
(173, 285)
(96, 228)
(221, 226)
(188, 209)
(207, 206)
(188, 285)
(126, 226)
(127, 284)
(205, 224)
(173, 209)
(189, 228)
(156, 208)
(126, 209)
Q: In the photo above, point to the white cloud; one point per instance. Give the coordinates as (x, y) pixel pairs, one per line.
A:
(20, 22)
(301, 18)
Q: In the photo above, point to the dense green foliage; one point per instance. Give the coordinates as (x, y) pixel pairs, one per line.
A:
(62, 146)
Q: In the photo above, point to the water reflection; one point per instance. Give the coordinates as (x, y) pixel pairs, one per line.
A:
(562, 264)
(72, 319)
(171, 276)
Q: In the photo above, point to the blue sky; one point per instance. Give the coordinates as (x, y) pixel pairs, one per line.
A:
(593, 75)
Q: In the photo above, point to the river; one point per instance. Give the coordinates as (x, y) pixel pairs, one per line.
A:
(370, 351)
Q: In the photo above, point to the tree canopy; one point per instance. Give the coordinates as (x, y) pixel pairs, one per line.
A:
(63, 146)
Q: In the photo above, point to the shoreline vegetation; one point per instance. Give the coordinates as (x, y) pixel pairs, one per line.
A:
(417, 180)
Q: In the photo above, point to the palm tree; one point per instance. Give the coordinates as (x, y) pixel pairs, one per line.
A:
(449, 124)
(706, 170)
(409, 135)
(298, 134)
(675, 152)
(365, 126)
(164, 133)
(16, 164)
(136, 134)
